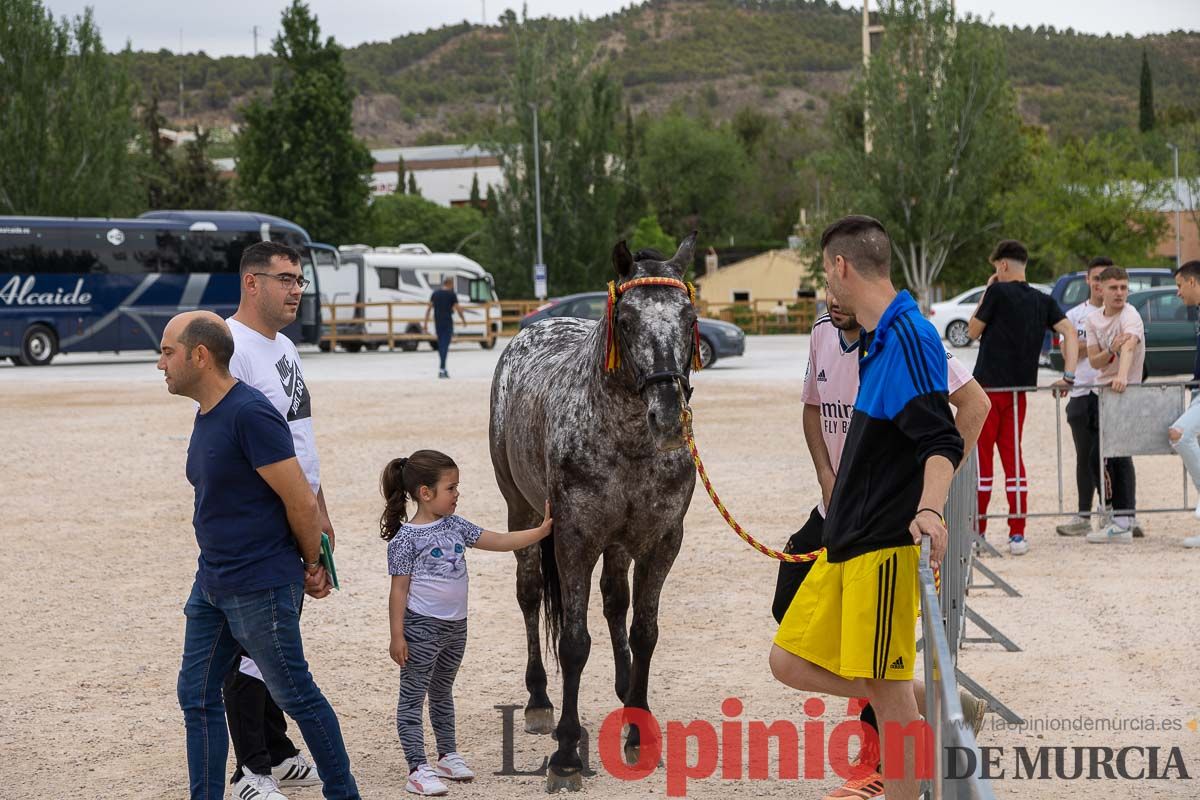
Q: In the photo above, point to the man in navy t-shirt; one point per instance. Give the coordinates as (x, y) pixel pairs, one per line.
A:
(258, 527)
(442, 304)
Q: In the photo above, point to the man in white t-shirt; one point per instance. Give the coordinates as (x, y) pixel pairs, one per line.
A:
(272, 282)
(830, 389)
(1077, 403)
(1116, 347)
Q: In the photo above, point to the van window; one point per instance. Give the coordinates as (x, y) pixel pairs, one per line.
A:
(389, 277)
(409, 278)
(1076, 291)
(480, 290)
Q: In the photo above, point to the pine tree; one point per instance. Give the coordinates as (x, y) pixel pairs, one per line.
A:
(157, 172)
(475, 201)
(297, 155)
(399, 175)
(1146, 97)
(412, 186)
(490, 208)
(199, 183)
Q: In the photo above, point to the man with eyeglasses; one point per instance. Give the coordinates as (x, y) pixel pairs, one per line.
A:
(271, 284)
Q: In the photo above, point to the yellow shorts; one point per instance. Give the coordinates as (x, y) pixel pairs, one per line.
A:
(858, 618)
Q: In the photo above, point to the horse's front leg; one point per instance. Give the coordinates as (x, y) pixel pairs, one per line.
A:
(574, 645)
(649, 574)
(614, 590)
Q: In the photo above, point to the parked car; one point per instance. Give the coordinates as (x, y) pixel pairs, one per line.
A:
(718, 339)
(951, 316)
(1170, 333)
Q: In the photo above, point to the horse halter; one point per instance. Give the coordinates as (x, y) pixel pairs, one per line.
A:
(612, 358)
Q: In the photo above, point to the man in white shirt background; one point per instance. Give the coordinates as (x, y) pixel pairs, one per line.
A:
(271, 282)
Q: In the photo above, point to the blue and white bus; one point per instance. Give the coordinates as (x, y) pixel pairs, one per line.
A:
(89, 285)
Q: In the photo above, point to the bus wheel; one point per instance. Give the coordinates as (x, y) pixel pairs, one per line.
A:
(38, 346)
(487, 344)
(352, 347)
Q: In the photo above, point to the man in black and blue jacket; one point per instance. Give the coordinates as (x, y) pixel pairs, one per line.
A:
(850, 631)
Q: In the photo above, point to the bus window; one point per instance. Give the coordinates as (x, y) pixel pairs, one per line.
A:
(42, 250)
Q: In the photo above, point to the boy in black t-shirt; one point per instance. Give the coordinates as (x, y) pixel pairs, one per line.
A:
(1010, 323)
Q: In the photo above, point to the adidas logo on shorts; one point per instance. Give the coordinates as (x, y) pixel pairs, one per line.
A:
(821, 375)
(898, 663)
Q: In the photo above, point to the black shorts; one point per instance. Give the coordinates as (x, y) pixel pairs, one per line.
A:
(792, 574)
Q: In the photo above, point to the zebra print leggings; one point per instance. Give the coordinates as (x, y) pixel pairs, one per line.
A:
(435, 651)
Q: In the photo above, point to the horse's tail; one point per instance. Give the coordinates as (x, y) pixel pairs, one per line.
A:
(552, 605)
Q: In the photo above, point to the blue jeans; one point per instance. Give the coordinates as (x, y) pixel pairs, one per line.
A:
(1188, 446)
(444, 334)
(267, 624)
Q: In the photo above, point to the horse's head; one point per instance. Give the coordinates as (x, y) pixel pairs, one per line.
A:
(653, 331)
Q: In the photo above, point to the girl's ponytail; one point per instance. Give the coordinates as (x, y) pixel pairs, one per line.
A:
(401, 479)
(395, 509)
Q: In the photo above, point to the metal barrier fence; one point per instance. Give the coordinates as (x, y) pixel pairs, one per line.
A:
(1136, 422)
(943, 711)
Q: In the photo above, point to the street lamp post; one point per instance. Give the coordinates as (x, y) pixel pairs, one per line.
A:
(537, 193)
(1175, 194)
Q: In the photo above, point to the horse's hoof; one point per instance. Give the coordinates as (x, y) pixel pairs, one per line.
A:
(563, 782)
(633, 753)
(539, 720)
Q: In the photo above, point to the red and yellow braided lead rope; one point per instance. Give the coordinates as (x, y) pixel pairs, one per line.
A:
(770, 552)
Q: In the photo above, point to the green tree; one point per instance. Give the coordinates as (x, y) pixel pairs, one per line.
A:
(1146, 96)
(581, 168)
(943, 131)
(399, 175)
(199, 184)
(297, 155)
(411, 218)
(475, 200)
(1084, 198)
(66, 116)
(649, 235)
(692, 174)
(413, 189)
(156, 173)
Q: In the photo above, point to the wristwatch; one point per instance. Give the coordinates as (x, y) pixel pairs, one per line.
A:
(311, 566)
(1068, 376)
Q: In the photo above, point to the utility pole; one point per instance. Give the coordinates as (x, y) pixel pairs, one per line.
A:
(254, 31)
(537, 190)
(1175, 194)
(867, 30)
(181, 72)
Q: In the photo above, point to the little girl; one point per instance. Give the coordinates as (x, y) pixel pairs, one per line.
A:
(428, 603)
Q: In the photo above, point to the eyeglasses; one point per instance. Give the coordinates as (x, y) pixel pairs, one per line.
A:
(288, 279)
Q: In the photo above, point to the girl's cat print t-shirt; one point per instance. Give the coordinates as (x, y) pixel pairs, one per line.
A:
(435, 555)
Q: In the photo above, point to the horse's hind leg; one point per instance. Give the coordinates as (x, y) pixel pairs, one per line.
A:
(539, 711)
(614, 588)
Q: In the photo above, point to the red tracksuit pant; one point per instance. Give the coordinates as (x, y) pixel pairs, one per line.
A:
(1003, 428)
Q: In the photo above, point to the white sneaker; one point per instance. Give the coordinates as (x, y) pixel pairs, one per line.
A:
(453, 767)
(1113, 533)
(423, 780)
(1017, 545)
(1192, 541)
(257, 787)
(295, 771)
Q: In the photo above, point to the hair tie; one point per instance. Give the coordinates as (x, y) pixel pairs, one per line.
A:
(403, 462)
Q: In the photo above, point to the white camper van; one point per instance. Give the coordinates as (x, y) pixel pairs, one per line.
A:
(408, 273)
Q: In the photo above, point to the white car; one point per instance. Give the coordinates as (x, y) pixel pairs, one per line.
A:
(950, 317)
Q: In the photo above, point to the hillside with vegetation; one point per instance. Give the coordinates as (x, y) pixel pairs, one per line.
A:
(711, 57)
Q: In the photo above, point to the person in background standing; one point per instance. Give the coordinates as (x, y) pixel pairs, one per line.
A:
(1184, 431)
(1011, 322)
(442, 304)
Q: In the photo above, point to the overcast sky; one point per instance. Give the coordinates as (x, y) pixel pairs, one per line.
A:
(224, 27)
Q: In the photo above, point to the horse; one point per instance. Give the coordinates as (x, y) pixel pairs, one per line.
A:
(589, 415)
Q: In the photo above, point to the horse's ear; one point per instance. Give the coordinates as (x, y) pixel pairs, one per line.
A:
(683, 256)
(622, 260)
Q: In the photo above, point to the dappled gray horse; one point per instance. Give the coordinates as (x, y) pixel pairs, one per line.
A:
(605, 446)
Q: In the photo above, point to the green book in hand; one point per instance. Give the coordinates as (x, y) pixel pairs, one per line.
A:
(327, 560)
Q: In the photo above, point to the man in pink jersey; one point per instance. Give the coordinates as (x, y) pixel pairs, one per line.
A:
(830, 388)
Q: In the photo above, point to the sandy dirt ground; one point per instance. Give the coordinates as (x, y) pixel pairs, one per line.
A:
(99, 556)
